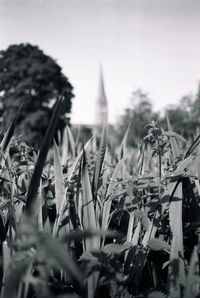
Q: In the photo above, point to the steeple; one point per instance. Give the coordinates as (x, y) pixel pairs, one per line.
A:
(101, 103)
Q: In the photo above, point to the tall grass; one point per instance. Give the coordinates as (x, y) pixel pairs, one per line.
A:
(79, 223)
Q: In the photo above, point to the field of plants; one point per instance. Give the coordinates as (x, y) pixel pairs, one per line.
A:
(86, 220)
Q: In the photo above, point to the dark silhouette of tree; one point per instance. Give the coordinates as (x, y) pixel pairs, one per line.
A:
(35, 80)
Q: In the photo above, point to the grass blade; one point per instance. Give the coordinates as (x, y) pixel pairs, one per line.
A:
(59, 180)
(35, 179)
(193, 279)
(193, 147)
(71, 141)
(176, 266)
(60, 191)
(9, 133)
(89, 218)
(88, 222)
(108, 201)
(122, 148)
(99, 161)
(65, 148)
(174, 145)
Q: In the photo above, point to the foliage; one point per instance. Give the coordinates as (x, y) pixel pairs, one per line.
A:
(76, 222)
(138, 116)
(33, 79)
(185, 117)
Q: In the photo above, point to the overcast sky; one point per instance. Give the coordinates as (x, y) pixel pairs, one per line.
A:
(148, 44)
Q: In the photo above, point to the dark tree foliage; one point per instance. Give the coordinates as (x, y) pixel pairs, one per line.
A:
(35, 80)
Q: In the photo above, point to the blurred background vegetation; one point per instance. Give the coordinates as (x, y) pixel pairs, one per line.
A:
(35, 80)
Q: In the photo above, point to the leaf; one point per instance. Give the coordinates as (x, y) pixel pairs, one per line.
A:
(176, 267)
(77, 136)
(122, 147)
(3, 229)
(175, 220)
(59, 180)
(88, 221)
(116, 248)
(193, 278)
(149, 233)
(88, 217)
(75, 164)
(60, 192)
(193, 147)
(71, 141)
(136, 234)
(182, 165)
(99, 161)
(65, 145)
(142, 215)
(59, 253)
(156, 294)
(9, 133)
(137, 257)
(176, 135)
(107, 202)
(4, 146)
(130, 226)
(35, 179)
(174, 145)
(158, 244)
(168, 193)
(140, 158)
(13, 277)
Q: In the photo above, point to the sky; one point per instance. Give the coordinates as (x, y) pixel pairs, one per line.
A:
(148, 44)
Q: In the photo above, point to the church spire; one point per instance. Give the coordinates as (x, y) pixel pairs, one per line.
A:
(101, 94)
(101, 103)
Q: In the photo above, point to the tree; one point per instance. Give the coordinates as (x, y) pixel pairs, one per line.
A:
(184, 117)
(35, 80)
(138, 115)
